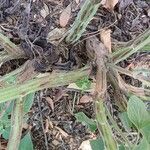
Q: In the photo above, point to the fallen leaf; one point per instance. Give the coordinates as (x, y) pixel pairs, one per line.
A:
(50, 101)
(45, 11)
(55, 35)
(85, 99)
(65, 16)
(106, 39)
(109, 4)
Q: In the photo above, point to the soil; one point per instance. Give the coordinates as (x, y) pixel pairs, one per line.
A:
(27, 23)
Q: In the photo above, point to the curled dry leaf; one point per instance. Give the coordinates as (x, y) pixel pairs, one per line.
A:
(109, 4)
(86, 99)
(106, 39)
(50, 102)
(65, 16)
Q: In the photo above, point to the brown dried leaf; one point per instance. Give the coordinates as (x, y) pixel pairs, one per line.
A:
(50, 101)
(65, 16)
(106, 39)
(109, 4)
(86, 99)
(55, 35)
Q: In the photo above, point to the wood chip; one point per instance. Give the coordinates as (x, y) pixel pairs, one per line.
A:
(62, 132)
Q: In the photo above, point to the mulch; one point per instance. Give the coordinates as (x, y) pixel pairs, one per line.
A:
(27, 24)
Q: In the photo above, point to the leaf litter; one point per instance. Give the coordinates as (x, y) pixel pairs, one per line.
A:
(36, 28)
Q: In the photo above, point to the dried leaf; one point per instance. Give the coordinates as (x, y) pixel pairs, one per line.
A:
(55, 35)
(86, 99)
(109, 4)
(50, 101)
(45, 11)
(65, 16)
(106, 39)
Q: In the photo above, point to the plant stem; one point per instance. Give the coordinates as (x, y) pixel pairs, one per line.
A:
(117, 128)
(48, 81)
(16, 125)
(134, 46)
(85, 15)
(141, 78)
(11, 51)
(104, 126)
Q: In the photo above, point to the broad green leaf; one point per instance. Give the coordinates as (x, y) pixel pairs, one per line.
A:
(143, 145)
(90, 123)
(97, 144)
(137, 113)
(84, 83)
(125, 120)
(146, 132)
(26, 143)
(28, 101)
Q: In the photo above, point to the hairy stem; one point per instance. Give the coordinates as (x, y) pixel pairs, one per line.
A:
(49, 80)
(132, 47)
(16, 125)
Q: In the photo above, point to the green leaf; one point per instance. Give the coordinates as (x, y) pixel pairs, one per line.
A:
(26, 143)
(137, 113)
(90, 123)
(28, 101)
(125, 120)
(97, 144)
(146, 132)
(121, 147)
(84, 83)
(6, 133)
(143, 145)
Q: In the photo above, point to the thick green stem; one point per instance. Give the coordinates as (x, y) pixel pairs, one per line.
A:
(85, 15)
(104, 126)
(133, 47)
(16, 125)
(48, 81)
